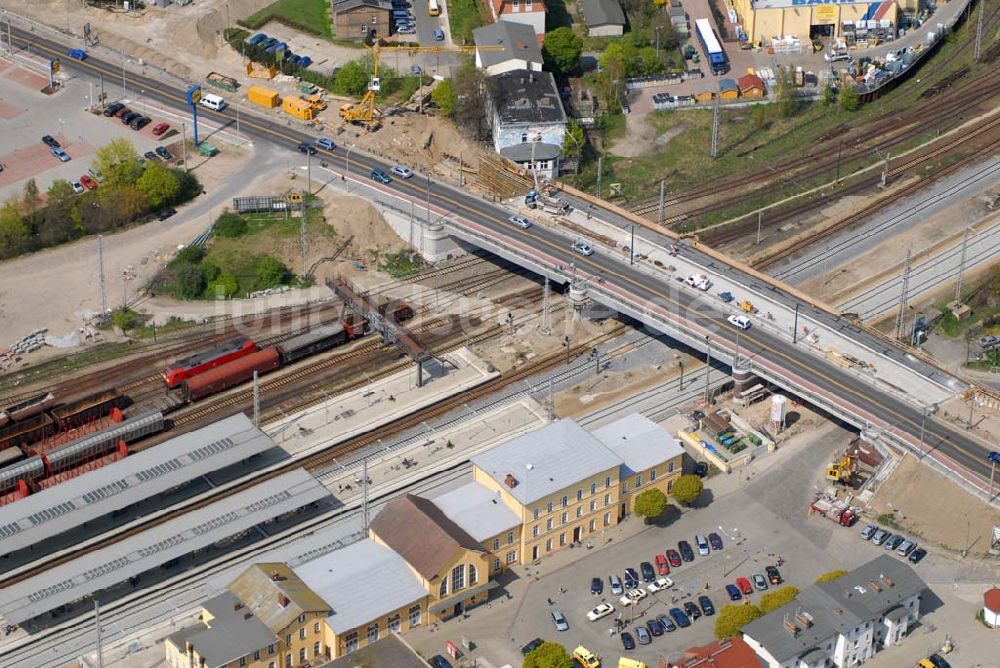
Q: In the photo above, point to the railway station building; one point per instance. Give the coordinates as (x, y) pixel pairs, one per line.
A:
(765, 20)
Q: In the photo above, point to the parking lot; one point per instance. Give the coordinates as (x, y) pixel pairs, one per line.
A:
(28, 114)
(763, 506)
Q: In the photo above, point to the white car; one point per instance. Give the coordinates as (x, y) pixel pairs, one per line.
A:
(601, 611)
(661, 583)
(740, 321)
(699, 281)
(633, 595)
(76, 186)
(520, 221)
(582, 248)
(402, 172)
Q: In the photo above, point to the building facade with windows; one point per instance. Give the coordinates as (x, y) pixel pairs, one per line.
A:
(844, 622)
(528, 12)
(360, 19)
(488, 520)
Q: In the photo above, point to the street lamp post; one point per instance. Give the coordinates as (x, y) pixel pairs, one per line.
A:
(658, 28)
(708, 368)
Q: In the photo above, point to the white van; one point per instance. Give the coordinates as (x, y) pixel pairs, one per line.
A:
(212, 102)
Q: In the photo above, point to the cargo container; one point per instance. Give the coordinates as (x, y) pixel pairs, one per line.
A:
(231, 374)
(265, 97)
(299, 108)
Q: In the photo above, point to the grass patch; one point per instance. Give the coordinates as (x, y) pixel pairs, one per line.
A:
(308, 16)
(401, 264)
(889, 520)
(464, 16)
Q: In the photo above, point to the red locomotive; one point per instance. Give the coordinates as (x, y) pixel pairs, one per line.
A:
(188, 367)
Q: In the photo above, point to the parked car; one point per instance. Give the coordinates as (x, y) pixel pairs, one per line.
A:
(325, 143)
(654, 627)
(906, 547)
(679, 617)
(701, 469)
(149, 155)
(407, 31)
(520, 221)
(632, 596)
(616, 585)
(674, 558)
(61, 154)
(402, 171)
(113, 109)
(307, 148)
(642, 635)
(559, 620)
(740, 321)
(88, 182)
(989, 341)
(715, 541)
(164, 153)
(706, 605)
(744, 586)
(648, 574)
(894, 542)
(667, 623)
(933, 661)
(691, 610)
(661, 565)
(438, 661)
(416, 71)
(880, 536)
(628, 642)
(160, 128)
(867, 532)
(165, 213)
(773, 575)
(759, 582)
(596, 585)
(602, 610)
(380, 176)
(49, 141)
(917, 555)
(76, 186)
(129, 117)
(660, 584)
(438, 35)
(687, 554)
(631, 578)
(734, 592)
(531, 646)
(140, 123)
(121, 112)
(702, 544)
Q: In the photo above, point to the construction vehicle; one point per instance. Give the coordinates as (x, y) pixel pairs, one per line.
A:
(834, 509)
(747, 306)
(317, 103)
(260, 71)
(843, 470)
(547, 203)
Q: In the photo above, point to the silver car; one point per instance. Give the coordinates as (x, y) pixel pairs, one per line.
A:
(582, 248)
(759, 583)
(867, 532)
(880, 536)
(906, 547)
(520, 221)
(616, 585)
(559, 619)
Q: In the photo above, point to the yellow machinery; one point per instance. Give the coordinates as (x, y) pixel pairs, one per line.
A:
(366, 112)
(298, 108)
(843, 470)
(747, 306)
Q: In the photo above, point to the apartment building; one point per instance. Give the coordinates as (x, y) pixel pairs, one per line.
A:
(529, 12)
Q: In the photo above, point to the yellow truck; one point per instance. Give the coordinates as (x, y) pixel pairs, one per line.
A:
(299, 108)
(265, 97)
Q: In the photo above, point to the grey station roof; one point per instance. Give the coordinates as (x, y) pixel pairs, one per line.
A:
(523, 97)
(477, 510)
(361, 582)
(137, 554)
(518, 39)
(531, 150)
(546, 460)
(68, 505)
(602, 13)
(640, 442)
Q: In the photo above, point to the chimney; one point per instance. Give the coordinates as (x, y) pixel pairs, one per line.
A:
(804, 618)
(886, 580)
(283, 600)
(790, 626)
(847, 593)
(510, 481)
(275, 576)
(874, 585)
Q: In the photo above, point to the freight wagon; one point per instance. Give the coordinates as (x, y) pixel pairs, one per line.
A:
(26, 409)
(9, 456)
(231, 374)
(87, 409)
(316, 341)
(191, 366)
(28, 431)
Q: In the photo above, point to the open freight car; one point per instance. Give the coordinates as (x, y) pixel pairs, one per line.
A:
(317, 340)
(27, 408)
(231, 374)
(92, 407)
(189, 367)
(26, 432)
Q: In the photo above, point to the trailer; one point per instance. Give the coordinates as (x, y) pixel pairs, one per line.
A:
(717, 60)
(222, 81)
(835, 510)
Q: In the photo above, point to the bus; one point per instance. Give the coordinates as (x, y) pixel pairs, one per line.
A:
(433, 8)
(710, 45)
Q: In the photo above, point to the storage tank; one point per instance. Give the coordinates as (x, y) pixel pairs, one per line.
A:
(233, 373)
(265, 97)
(298, 108)
(779, 403)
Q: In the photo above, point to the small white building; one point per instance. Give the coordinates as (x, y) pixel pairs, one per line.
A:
(512, 46)
(991, 607)
(527, 119)
(843, 622)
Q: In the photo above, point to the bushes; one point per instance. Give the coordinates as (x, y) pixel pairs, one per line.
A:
(230, 225)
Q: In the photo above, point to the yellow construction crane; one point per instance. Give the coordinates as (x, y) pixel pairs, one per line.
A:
(366, 112)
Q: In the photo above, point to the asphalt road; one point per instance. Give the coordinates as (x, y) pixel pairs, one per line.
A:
(803, 368)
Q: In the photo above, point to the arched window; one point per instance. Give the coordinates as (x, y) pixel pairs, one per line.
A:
(473, 576)
(443, 591)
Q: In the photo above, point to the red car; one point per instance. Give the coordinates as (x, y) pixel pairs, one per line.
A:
(160, 129)
(88, 182)
(744, 586)
(674, 558)
(121, 112)
(661, 565)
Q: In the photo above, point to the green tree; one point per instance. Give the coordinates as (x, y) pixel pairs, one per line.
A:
(776, 598)
(13, 231)
(650, 504)
(786, 93)
(223, 287)
(562, 50)
(118, 163)
(687, 489)
(230, 225)
(548, 655)
(189, 255)
(58, 191)
(849, 99)
(829, 97)
(352, 78)
(161, 185)
(443, 96)
(31, 196)
(831, 575)
(189, 281)
(271, 272)
(127, 319)
(732, 618)
(470, 100)
(574, 140)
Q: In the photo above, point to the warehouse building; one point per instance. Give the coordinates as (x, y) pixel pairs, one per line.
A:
(765, 20)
